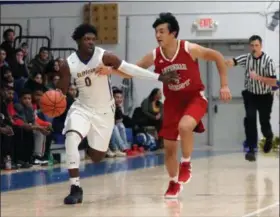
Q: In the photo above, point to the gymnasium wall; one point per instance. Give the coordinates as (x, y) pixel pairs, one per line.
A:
(237, 20)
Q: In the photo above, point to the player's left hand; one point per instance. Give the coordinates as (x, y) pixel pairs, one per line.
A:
(225, 94)
(169, 77)
(103, 70)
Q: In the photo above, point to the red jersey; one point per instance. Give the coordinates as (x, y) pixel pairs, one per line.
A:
(188, 69)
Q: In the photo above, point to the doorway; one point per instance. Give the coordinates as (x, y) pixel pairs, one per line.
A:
(224, 122)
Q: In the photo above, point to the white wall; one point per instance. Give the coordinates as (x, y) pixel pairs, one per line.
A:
(271, 42)
(237, 20)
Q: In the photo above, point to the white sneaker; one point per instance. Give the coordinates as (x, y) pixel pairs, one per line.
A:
(110, 153)
(120, 154)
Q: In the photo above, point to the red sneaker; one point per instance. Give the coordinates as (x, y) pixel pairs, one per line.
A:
(173, 190)
(185, 173)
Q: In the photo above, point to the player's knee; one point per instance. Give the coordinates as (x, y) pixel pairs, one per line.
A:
(96, 156)
(72, 153)
(185, 127)
(170, 148)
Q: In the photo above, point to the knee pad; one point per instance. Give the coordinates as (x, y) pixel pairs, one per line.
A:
(72, 153)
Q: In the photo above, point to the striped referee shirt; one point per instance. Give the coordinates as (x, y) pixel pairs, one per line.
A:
(263, 66)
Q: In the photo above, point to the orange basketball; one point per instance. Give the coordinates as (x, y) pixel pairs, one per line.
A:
(53, 103)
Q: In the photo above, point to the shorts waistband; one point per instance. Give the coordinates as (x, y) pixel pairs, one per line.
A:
(96, 109)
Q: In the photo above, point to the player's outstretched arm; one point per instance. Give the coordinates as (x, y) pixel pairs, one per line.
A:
(65, 78)
(199, 52)
(146, 62)
(113, 61)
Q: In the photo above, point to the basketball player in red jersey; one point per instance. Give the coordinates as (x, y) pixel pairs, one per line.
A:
(185, 104)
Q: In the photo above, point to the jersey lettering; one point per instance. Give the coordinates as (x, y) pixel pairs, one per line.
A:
(87, 81)
(94, 90)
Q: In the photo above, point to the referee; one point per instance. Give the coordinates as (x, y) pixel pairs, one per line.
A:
(257, 95)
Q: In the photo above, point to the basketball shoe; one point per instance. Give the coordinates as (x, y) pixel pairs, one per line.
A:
(185, 174)
(173, 190)
(75, 196)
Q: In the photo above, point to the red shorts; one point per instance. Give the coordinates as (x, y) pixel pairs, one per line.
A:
(175, 109)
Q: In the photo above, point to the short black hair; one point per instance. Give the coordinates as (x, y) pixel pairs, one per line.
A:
(83, 29)
(24, 92)
(117, 91)
(24, 44)
(18, 50)
(43, 49)
(6, 33)
(254, 38)
(170, 19)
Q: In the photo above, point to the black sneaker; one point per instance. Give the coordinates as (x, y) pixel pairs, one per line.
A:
(250, 156)
(75, 196)
(267, 146)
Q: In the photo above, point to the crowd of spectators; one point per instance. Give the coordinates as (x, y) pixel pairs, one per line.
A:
(27, 134)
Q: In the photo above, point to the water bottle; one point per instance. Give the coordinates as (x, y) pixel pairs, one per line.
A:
(50, 160)
(8, 163)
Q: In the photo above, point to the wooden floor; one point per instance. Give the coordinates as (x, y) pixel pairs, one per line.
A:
(222, 185)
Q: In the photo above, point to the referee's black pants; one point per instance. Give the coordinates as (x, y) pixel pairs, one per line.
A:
(262, 104)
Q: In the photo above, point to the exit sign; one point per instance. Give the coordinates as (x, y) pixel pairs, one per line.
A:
(205, 24)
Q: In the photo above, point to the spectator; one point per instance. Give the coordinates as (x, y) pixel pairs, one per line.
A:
(152, 109)
(60, 61)
(34, 79)
(3, 61)
(42, 138)
(118, 145)
(53, 84)
(24, 116)
(6, 132)
(40, 62)
(7, 77)
(7, 45)
(24, 47)
(19, 70)
(52, 69)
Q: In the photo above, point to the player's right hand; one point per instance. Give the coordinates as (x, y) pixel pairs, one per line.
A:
(169, 77)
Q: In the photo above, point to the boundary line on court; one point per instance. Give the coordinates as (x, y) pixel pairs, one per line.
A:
(258, 211)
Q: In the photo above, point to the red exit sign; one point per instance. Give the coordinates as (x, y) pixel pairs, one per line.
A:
(205, 24)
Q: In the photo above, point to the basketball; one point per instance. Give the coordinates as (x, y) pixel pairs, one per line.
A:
(53, 103)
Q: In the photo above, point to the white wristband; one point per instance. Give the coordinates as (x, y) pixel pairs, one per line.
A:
(136, 71)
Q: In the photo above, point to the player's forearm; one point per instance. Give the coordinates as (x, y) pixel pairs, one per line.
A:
(120, 73)
(136, 71)
(222, 69)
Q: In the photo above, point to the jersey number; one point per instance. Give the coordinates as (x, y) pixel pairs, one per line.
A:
(88, 81)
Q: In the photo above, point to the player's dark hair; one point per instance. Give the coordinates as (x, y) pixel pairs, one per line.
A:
(24, 92)
(170, 19)
(83, 29)
(254, 38)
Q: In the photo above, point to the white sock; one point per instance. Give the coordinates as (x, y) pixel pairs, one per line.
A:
(75, 181)
(185, 159)
(175, 179)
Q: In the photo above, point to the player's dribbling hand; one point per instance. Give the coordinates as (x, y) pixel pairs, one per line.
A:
(103, 70)
(225, 94)
(169, 77)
